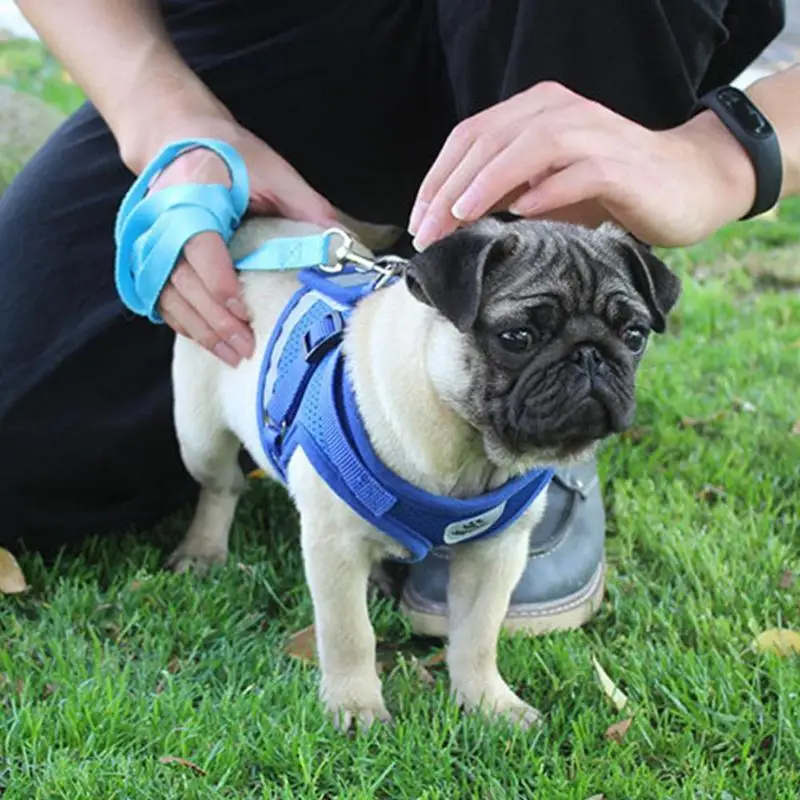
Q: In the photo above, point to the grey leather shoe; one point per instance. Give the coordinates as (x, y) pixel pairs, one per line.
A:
(564, 581)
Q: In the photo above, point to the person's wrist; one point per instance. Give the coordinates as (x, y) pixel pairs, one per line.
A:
(722, 162)
(166, 113)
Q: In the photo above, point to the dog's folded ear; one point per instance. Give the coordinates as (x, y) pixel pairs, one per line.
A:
(449, 274)
(654, 280)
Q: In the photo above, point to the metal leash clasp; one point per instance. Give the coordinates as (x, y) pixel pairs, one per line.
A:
(386, 266)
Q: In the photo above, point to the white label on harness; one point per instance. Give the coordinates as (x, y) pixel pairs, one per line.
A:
(472, 526)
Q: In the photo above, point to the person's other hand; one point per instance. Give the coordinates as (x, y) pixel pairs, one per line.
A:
(202, 299)
(547, 152)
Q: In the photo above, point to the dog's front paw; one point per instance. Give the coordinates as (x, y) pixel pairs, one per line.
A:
(499, 703)
(351, 709)
(184, 559)
(358, 716)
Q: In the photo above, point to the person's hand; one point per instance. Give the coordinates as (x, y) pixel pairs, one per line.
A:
(548, 152)
(202, 299)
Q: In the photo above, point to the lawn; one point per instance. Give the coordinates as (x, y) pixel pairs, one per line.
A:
(119, 680)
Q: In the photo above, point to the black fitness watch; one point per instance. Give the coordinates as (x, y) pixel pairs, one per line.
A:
(755, 134)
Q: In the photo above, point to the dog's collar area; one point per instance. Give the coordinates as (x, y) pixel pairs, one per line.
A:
(305, 399)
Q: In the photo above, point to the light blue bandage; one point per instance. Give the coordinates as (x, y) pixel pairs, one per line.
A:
(151, 230)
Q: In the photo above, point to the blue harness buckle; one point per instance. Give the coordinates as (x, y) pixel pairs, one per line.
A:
(323, 336)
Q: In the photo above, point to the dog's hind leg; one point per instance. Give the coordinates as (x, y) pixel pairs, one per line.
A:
(482, 577)
(210, 453)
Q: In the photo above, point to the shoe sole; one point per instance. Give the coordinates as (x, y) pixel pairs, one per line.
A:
(535, 619)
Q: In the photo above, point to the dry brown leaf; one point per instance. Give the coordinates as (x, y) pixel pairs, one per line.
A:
(711, 493)
(435, 659)
(12, 578)
(20, 687)
(635, 435)
(779, 641)
(302, 644)
(699, 422)
(49, 690)
(744, 405)
(421, 671)
(182, 762)
(174, 665)
(787, 579)
(616, 732)
(796, 428)
(611, 690)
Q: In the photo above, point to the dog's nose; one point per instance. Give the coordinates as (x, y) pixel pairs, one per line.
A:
(588, 358)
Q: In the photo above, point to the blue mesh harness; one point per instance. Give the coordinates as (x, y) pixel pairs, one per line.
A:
(305, 397)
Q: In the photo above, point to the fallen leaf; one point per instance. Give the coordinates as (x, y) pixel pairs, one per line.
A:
(421, 671)
(711, 493)
(796, 428)
(616, 732)
(20, 687)
(160, 686)
(787, 580)
(699, 422)
(302, 644)
(49, 690)
(616, 695)
(435, 659)
(635, 435)
(744, 405)
(182, 762)
(12, 579)
(779, 641)
(174, 665)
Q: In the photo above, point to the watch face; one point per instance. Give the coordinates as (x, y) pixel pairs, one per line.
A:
(745, 113)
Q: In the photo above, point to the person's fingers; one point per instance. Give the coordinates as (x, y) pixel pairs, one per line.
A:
(174, 307)
(235, 333)
(590, 179)
(491, 122)
(438, 220)
(209, 256)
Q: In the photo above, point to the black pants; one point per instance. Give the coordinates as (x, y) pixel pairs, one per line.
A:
(358, 95)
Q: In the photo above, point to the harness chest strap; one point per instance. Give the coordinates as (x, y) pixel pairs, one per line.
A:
(306, 399)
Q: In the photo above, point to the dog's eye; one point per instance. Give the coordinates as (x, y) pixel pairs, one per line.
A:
(635, 339)
(517, 340)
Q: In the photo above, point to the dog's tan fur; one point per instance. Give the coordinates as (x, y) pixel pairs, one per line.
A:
(402, 359)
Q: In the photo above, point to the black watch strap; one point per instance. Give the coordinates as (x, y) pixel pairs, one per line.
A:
(756, 135)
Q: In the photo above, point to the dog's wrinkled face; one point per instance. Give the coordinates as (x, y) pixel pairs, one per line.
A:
(541, 330)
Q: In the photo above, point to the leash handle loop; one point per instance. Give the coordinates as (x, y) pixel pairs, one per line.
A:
(151, 230)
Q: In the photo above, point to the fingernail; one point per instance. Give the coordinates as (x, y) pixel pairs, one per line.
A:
(243, 346)
(465, 205)
(229, 356)
(426, 234)
(417, 213)
(237, 307)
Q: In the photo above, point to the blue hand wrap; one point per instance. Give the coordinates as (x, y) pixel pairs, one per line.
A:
(152, 230)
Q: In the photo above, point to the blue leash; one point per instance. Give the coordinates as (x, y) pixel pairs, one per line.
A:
(152, 229)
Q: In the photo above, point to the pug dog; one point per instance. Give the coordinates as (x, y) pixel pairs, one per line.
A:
(506, 346)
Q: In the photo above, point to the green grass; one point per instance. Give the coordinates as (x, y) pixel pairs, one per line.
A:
(109, 664)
